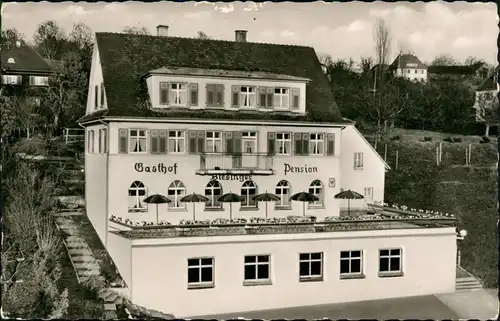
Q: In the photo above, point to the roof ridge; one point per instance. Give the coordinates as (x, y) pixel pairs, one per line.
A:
(214, 40)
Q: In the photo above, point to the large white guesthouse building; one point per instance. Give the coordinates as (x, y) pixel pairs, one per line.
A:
(176, 116)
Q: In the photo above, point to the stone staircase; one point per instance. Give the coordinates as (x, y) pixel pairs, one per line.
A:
(465, 281)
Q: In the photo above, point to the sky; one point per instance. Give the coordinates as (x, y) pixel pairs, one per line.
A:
(343, 30)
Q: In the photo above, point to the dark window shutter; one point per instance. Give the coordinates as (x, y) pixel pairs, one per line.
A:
(162, 137)
(201, 141)
(219, 95)
(104, 140)
(270, 97)
(235, 95)
(237, 142)
(305, 143)
(154, 141)
(96, 96)
(229, 142)
(102, 95)
(262, 96)
(210, 95)
(271, 143)
(330, 144)
(297, 138)
(163, 93)
(193, 94)
(192, 141)
(295, 98)
(123, 141)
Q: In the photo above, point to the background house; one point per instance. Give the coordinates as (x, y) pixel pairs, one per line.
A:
(410, 67)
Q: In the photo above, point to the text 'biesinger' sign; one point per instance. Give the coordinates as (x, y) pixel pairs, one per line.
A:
(159, 168)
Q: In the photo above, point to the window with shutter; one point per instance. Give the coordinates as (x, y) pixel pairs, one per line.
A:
(305, 143)
(295, 98)
(237, 148)
(164, 93)
(297, 139)
(193, 94)
(201, 141)
(154, 141)
(192, 142)
(219, 95)
(123, 141)
(235, 95)
(330, 144)
(271, 143)
(358, 160)
(210, 95)
(229, 142)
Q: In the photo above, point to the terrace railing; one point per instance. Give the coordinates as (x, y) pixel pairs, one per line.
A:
(236, 162)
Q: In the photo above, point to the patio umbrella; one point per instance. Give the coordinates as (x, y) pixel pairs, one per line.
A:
(304, 197)
(194, 198)
(157, 199)
(349, 195)
(230, 198)
(266, 197)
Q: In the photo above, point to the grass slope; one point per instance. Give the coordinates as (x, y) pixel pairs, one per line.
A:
(470, 192)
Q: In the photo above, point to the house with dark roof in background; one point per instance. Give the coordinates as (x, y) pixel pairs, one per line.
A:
(410, 67)
(486, 94)
(225, 123)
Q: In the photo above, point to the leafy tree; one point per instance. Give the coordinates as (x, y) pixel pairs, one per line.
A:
(50, 40)
(474, 61)
(137, 31)
(202, 35)
(9, 38)
(444, 60)
(487, 110)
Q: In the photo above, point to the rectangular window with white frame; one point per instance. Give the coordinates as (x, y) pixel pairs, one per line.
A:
(281, 98)
(213, 142)
(39, 80)
(311, 266)
(249, 142)
(178, 94)
(317, 144)
(201, 273)
(351, 264)
(12, 79)
(358, 161)
(247, 97)
(283, 143)
(368, 193)
(257, 269)
(177, 141)
(390, 262)
(138, 141)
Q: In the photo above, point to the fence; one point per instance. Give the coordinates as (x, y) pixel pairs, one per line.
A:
(74, 134)
(440, 154)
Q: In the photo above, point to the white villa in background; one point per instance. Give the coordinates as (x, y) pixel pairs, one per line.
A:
(410, 67)
(175, 116)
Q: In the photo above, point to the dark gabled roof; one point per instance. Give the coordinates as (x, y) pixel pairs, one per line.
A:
(454, 70)
(25, 60)
(402, 60)
(126, 58)
(490, 83)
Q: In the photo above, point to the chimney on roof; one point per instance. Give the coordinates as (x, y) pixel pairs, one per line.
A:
(162, 31)
(18, 44)
(240, 36)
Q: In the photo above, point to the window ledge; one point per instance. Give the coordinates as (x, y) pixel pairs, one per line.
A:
(215, 107)
(177, 210)
(214, 209)
(311, 279)
(358, 168)
(249, 208)
(257, 282)
(200, 286)
(134, 210)
(352, 276)
(390, 274)
(314, 207)
(283, 208)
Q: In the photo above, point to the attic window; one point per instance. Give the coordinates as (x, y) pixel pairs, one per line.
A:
(11, 61)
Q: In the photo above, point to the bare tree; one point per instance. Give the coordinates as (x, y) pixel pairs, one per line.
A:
(325, 59)
(202, 35)
(382, 40)
(444, 60)
(50, 40)
(137, 31)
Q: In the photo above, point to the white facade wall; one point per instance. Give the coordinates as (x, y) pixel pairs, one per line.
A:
(159, 272)
(95, 79)
(372, 175)
(413, 74)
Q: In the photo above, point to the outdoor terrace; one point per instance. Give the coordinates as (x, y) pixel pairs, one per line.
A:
(384, 219)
